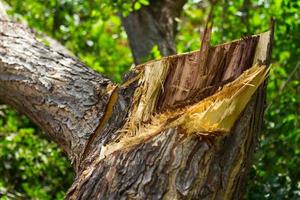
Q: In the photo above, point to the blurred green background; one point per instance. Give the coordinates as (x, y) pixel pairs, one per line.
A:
(31, 167)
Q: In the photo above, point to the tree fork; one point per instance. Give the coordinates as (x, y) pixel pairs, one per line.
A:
(85, 113)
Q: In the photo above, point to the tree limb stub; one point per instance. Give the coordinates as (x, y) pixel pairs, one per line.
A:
(170, 164)
(214, 115)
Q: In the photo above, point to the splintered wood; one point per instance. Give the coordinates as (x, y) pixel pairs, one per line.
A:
(215, 114)
(202, 92)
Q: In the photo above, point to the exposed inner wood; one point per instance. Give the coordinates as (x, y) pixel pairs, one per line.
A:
(172, 164)
(69, 101)
(193, 76)
(146, 95)
(214, 115)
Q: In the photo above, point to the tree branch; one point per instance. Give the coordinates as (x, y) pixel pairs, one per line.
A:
(58, 92)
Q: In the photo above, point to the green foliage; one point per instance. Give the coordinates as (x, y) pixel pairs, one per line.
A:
(92, 30)
(31, 167)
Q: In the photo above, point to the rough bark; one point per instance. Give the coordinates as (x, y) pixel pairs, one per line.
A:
(153, 25)
(172, 164)
(59, 93)
(84, 113)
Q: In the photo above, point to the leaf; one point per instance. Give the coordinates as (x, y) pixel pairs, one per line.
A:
(137, 6)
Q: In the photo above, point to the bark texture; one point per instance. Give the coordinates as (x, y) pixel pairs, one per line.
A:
(173, 165)
(59, 93)
(153, 25)
(84, 112)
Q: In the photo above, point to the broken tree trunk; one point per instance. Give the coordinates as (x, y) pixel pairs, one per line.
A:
(183, 127)
(185, 138)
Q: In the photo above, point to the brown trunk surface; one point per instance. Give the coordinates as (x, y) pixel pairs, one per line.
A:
(172, 164)
(85, 113)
